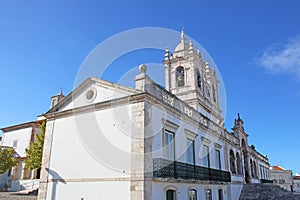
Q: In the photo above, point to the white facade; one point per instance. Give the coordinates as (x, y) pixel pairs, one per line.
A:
(282, 177)
(19, 137)
(107, 141)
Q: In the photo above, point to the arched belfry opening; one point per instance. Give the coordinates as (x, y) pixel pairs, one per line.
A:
(192, 79)
(180, 76)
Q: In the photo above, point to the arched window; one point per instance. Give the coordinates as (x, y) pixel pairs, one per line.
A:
(232, 162)
(251, 165)
(208, 194)
(192, 194)
(199, 80)
(180, 76)
(254, 169)
(214, 93)
(207, 91)
(220, 194)
(170, 194)
(238, 163)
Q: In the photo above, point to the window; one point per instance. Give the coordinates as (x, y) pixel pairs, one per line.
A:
(207, 91)
(54, 102)
(238, 164)
(206, 161)
(169, 145)
(180, 76)
(190, 152)
(218, 159)
(15, 143)
(214, 93)
(208, 194)
(261, 172)
(252, 170)
(232, 162)
(170, 195)
(199, 81)
(192, 194)
(220, 194)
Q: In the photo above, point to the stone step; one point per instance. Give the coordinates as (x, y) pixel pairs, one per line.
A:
(259, 191)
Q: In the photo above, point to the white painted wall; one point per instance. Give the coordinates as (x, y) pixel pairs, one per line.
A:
(89, 191)
(22, 136)
(3, 179)
(235, 191)
(285, 175)
(91, 146)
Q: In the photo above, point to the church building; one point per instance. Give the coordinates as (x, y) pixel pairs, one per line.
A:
(108, 141)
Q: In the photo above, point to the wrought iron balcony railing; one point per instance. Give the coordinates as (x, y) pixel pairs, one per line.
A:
(266, 181)
(178, 170)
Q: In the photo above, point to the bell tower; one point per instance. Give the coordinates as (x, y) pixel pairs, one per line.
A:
(192, 80)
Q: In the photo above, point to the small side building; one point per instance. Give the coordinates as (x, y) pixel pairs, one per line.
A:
(18, 137)
(282, 177)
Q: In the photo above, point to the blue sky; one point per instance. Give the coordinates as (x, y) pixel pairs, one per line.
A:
(255, 44)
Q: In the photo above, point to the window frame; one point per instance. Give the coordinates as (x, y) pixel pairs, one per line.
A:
(218, 159)
(208, 191)
(170, 188)
(190, 137)
(190, 145)
(15, 143)
(180, 72)
(170, 146)
(232, 162)
(220, 191)
(206, 156)
(189, 195)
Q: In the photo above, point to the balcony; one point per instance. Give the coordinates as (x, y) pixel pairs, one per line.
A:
(163, 168)
(266, 181)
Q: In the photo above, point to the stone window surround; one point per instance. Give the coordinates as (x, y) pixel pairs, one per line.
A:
(170, 127)
(171, 187)
(190, 135)
(192, 189)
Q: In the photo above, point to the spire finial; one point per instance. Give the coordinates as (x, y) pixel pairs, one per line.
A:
(143, 68)
(191, 44)
(60, 92)
(182, 35)
(239, 116)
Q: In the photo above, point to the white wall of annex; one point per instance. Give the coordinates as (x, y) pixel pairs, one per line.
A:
(22, 136)
(81, 149)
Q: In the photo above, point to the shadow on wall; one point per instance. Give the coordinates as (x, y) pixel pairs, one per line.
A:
(55, 178)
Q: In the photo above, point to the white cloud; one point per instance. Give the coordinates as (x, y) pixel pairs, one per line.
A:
(283, 58)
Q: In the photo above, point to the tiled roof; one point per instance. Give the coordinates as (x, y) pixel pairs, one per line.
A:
(276, 167)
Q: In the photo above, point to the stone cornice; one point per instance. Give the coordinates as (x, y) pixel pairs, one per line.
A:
(98, 106)
(98, 82)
